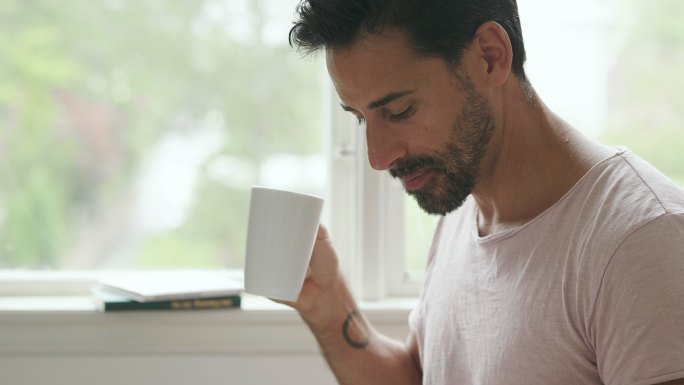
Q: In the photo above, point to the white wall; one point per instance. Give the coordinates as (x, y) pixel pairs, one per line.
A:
(167, 370)
(43, 342)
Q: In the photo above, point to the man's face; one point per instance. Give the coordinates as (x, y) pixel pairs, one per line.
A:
(425, 123)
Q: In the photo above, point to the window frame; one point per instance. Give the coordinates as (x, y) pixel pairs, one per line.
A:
(366, 224)
(369, 238)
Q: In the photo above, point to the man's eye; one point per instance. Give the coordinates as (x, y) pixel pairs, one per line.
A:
(402, 115)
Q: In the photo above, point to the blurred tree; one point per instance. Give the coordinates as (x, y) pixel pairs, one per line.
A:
(646, 105)
(91, 87)
(36, 158)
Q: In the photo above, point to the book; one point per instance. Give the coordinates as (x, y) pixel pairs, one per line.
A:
(106, 301)
(171, 285)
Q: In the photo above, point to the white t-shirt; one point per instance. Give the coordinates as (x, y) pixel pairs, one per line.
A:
(589, 292)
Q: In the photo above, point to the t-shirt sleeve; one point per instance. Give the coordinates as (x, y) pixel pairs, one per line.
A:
(638, 318)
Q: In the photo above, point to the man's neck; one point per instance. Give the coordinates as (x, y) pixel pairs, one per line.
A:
(534, 160)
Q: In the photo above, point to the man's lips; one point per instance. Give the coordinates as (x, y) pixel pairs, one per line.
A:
(416, 179)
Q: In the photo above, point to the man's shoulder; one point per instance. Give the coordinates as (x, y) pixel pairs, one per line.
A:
(626, 189)
(652, 184)
(617, 197)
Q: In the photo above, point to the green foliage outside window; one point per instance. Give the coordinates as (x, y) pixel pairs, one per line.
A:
(646, 103)
(90, 87)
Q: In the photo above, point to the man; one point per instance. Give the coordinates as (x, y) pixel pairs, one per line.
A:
(557, 260)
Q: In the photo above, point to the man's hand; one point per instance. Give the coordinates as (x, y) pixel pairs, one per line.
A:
(357, 354)
(322, 282)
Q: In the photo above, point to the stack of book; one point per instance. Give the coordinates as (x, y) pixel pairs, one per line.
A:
(183, 290)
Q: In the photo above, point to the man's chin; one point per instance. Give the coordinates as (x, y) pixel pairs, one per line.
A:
(438, 203)
(430, 204)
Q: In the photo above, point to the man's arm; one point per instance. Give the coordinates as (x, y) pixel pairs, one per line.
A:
(356, 353)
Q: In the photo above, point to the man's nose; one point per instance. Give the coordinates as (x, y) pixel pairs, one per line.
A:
(384, 146)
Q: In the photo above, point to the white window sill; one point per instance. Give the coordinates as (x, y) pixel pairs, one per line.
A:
(70, 325)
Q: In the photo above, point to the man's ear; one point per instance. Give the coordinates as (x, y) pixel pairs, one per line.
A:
(492, 52)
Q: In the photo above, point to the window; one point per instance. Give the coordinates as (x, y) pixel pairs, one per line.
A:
(131, 131)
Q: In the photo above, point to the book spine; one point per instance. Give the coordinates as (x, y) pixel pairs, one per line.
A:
(185, 304)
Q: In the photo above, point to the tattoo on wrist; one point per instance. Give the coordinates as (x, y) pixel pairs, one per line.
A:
(355, 331)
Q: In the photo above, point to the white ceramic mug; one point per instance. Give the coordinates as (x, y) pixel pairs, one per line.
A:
(280, 236)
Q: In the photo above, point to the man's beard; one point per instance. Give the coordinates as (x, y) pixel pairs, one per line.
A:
(456, 170)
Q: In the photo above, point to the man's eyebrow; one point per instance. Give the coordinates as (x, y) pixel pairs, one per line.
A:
(388, 98)
(382, 101)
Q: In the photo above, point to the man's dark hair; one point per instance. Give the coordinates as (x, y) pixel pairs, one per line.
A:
(439, 28)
